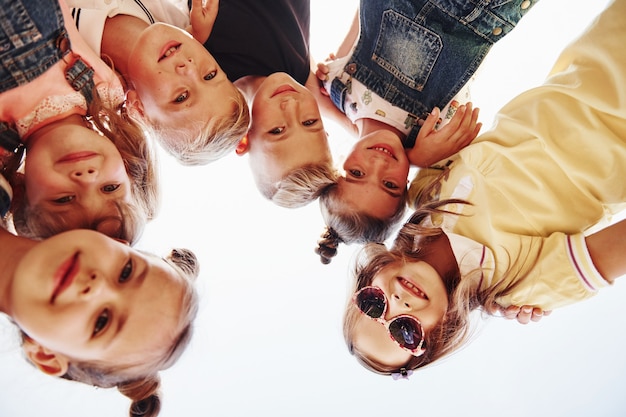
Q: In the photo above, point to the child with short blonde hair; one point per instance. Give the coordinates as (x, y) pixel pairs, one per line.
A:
(176, 90)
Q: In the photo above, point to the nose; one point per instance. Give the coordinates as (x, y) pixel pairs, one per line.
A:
(186, 66)
(84, 174)
(91, 285)
(288, 103)
(398, 303)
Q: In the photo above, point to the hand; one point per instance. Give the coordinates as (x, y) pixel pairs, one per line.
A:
(322, 72)
(432, 145)
(524, 314)
(202, 18)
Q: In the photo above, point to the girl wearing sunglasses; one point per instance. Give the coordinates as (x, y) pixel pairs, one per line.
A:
(93, 310)
(507, 221)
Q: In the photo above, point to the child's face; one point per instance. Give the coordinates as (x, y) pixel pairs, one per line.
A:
(76, 174)
(376, 174)
(287, 130)
(87, 297)
(411, 288)
(177, 80)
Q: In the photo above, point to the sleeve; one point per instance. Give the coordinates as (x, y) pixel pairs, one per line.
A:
(553, 272)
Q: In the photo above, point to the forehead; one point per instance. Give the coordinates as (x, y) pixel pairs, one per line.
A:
(367, 197)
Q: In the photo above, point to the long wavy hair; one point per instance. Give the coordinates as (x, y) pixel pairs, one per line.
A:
(465, 294)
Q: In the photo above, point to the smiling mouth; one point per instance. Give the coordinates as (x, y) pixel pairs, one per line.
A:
(384, 149)
(412, 288)
(168, 50)
(77, 156)
(64, 276)
(283, 89)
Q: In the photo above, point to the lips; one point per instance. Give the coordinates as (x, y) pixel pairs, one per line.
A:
(64, 276)
(77, 156)
(168, 50)
(286, 88)
(384, 149)
(412, 288)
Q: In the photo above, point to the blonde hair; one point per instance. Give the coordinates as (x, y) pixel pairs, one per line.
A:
(351, 226)
(300, 186)
(141, 382)
(140, 164)
(464, 292)
(203, 143)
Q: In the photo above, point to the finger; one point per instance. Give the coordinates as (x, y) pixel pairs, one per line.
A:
(322, 76)
(511, 312)
(525, 314)
(431, 121)
(537, 314)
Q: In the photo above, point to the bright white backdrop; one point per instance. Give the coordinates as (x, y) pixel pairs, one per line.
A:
(268, 338)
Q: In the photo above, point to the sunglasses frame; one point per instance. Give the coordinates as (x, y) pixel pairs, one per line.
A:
(419, 350)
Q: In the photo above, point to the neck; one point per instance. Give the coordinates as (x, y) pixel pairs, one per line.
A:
(367, 126)
(249, 85)
(13, 249)
(115, 39)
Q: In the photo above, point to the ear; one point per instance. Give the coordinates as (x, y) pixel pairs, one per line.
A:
(44, 359)
(134, 106)
(243, 146)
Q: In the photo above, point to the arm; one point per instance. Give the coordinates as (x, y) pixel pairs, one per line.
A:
(607, 249)
(326, 106)
(350, 38)
(202, 18)
(432, 145)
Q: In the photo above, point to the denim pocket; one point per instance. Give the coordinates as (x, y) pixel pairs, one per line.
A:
(406, 50)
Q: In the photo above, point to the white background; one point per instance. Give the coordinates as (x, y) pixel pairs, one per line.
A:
(268, 337)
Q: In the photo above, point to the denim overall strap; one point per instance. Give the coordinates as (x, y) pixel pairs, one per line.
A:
(80, 76)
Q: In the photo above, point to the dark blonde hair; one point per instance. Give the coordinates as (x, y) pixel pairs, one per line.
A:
(203, 143)
(351, 226)
(300, 186)
(140, 164)
(141, 382)
(464, 292)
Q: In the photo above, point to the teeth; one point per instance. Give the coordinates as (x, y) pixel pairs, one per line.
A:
(169, 51)
(410, 285)
(383, 150)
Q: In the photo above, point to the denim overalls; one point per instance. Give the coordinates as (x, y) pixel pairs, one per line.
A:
(417, 54)
(33, 39)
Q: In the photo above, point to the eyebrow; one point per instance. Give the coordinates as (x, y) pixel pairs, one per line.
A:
(385, 189)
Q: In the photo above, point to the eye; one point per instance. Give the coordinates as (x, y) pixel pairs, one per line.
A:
(64, 200)
(309, 122)
(127, 271)
(181, 98)
(390, 185)
(109, 188)
(356, 173)
(210, 75)
(276, 131)
(101, 322)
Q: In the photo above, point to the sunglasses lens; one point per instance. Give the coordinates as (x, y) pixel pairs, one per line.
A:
(406, 331)
(371, 301)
